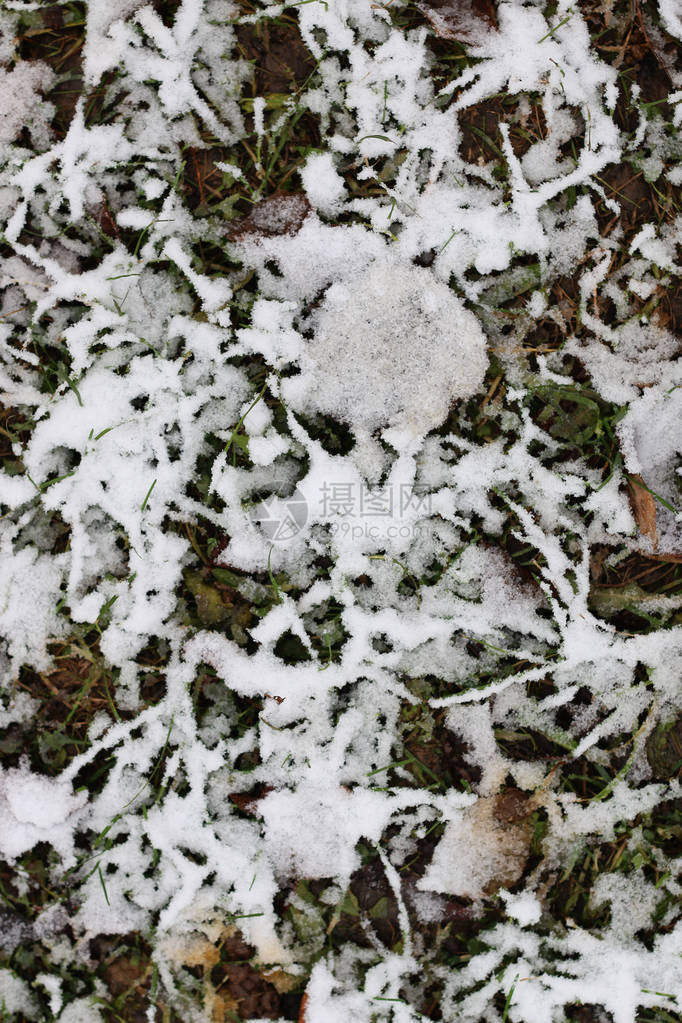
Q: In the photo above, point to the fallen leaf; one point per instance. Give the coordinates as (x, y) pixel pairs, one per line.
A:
(281, 980)
(242, 983)
(301, 1011)
(123, 974)
(643, 505)
(192, 950)
(513, 806)
(247, 802)
(466, 21)
(609, 600)
(281, 213)
(486, 849)
(210, 607)
(664, 749)
(221, 1008)
(107, 224)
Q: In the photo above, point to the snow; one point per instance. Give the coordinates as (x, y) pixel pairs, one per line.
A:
(670, 17)
(15, 996)
(36, 808)
(360, 327)
(478, 850)
(323, 184)
(22, 107)
(81, 1010)
(524, 907)
(29, 595)
(392, 348)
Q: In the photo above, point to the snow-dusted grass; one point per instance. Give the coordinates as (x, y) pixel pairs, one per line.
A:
(320, 467)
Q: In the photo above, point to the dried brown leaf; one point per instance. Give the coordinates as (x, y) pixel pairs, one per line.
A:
(192, 950)
(247, 802)
(123, 974)
(643, 505)
(281, 213)
(466, 21)
(281, 980)
(221, 1008)
(486, 849)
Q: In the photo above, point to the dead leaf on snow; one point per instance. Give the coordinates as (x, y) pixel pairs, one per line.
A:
(486, 849)
(281, 213)
(643, 505)
(466, 21)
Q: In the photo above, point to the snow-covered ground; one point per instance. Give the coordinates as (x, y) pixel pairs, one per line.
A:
(387, 292)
